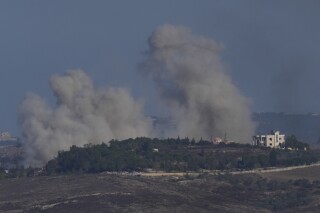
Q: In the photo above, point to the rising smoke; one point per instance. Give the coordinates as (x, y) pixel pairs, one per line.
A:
(84, 114)
(190, 78)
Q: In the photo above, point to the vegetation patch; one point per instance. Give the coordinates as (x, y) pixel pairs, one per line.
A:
(174, 155)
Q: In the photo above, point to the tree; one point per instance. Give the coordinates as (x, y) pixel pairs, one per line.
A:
(273, 157)
(293, 143)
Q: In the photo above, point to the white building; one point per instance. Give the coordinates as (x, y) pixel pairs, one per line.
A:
(272, 140)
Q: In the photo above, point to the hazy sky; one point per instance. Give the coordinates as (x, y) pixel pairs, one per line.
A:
(271, 48)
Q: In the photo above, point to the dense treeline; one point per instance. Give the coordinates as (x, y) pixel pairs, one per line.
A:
(173, 155)
(293, 143)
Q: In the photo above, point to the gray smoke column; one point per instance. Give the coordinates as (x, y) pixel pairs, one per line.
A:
(84, 114)
(191, 80)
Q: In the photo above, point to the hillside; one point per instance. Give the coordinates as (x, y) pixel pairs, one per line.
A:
(173, 155)
(109, 193)
(114, 184)
(128, 193)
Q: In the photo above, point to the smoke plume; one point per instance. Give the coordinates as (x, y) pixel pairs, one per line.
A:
(190, 78)
(84, 114)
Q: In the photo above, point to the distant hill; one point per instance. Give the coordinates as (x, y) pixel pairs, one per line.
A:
(306, 127)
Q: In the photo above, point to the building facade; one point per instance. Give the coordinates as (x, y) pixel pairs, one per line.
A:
(273, 140)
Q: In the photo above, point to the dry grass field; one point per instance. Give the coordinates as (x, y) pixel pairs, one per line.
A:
(310, 173)
(128, 193)
(115, 193)
(272, 191)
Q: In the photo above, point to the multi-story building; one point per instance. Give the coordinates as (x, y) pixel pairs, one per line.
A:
(273, 140)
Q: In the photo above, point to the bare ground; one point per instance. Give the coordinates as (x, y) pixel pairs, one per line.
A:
(128, 193)
(112, 193)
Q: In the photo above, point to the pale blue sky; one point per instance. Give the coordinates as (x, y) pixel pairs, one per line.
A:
(271, 47)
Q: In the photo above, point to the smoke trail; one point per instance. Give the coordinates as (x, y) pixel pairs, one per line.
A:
(84, 114)
(191, 80)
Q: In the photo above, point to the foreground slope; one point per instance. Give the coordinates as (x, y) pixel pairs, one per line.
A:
(112, 193)
(128, 192)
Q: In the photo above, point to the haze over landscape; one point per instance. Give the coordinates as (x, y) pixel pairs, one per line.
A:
(269, 48)
(167, 106)
(189, 76)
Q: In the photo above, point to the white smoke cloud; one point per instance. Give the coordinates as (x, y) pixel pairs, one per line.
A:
(84, 114)
(191, 80)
